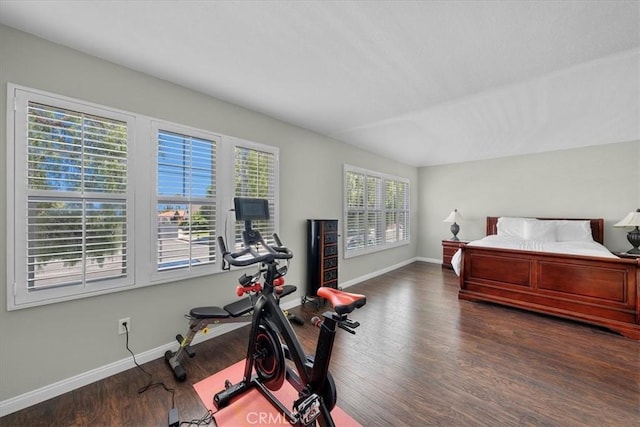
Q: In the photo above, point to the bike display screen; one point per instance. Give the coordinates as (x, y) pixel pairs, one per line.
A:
(248, 209)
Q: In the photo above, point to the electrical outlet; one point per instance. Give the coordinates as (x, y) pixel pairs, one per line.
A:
(121, 328)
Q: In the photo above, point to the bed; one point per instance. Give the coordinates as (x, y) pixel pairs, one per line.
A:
(532, 273)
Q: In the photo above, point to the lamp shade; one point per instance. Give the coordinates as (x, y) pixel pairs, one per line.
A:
(454, 216)
(631, 220)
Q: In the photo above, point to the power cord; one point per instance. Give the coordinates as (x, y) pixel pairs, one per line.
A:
(173, 413)
(204, 421)
(173, 419)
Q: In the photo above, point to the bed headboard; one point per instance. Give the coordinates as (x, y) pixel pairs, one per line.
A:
(597, 226)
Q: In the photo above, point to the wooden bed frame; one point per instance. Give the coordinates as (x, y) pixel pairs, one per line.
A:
(599, 291)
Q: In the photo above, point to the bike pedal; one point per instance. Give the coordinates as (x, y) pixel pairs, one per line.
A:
(346, 328)
(351, 323)
(308, 410)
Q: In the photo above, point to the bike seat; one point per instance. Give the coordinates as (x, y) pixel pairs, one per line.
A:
(210, 312)
(342, 302)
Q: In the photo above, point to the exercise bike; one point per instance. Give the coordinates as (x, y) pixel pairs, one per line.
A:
(201, 318)
(272, 338)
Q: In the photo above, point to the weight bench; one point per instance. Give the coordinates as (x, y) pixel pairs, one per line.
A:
(201, 317)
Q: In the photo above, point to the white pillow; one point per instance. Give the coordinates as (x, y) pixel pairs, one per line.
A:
(542, 231)
(573, 231)
(512, 227)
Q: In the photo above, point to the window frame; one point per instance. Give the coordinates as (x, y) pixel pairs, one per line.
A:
(142, 197)
(190, 271)
(18, 294)
(378, 242)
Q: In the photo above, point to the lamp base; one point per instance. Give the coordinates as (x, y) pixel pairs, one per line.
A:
(455, 228)
(634, 238)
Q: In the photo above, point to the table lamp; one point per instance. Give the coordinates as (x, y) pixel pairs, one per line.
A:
(454, 217)
(632, 220)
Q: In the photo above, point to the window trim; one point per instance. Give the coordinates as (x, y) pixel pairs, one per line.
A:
(350, 253)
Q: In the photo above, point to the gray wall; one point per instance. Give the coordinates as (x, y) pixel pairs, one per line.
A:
(47, 344)
(594, 182)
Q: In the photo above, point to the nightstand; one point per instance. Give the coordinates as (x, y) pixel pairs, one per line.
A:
(449, 247)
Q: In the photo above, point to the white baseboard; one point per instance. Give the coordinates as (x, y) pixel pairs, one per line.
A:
(376, 273)
(430, 260)
(56, 389)
(52, 390)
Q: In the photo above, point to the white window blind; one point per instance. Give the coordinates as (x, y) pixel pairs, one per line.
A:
(355, 210)
(186, 201)
(376, 211)
(255, 176)
(76, 225)
(396, 211)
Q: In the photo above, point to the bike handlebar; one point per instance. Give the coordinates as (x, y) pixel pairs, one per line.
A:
(273, 253)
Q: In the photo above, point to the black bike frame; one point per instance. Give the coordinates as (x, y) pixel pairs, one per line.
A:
(311, 377)
(266, 308)
(312, 380)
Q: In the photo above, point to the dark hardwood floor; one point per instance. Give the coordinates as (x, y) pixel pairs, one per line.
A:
(421, 357)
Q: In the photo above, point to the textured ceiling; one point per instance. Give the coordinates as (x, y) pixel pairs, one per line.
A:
(423, 83)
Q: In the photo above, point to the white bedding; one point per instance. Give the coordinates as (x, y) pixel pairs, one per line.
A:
(510, 242)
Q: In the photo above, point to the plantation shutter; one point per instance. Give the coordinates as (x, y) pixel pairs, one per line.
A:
(255, 177)
(376, 210)
(355, 205)
(76, 167)
(186, 201)
(375, 219)
(396, 210)
(403, 210)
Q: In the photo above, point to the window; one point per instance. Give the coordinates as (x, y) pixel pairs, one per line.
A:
(376, 211)
(186, 200)
(255, 176)
(73, 174)
(73, 207)
(396, 210)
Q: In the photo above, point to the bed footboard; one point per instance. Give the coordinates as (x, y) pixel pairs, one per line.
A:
(599, 291)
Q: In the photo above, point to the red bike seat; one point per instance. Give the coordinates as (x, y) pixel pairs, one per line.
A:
(342, 302)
